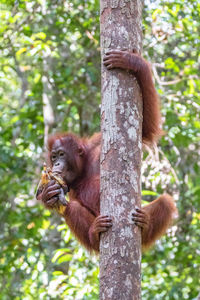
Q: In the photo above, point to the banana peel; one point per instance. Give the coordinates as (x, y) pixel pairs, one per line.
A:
(48, 175)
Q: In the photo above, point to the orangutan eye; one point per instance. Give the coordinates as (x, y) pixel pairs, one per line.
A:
(61, 154)
(53, 157)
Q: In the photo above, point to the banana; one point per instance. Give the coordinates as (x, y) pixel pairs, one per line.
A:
(48, 175)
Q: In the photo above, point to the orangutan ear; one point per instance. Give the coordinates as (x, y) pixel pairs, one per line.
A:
(135, 51)
(81, 151)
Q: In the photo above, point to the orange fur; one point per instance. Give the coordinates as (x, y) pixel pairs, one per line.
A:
(151, 127)
(161, 213)
(83, 210)
(84, 205)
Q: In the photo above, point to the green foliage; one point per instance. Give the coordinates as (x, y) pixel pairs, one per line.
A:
(59, 41)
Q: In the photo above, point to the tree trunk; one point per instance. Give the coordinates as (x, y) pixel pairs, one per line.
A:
(48, 112)
(121, 113)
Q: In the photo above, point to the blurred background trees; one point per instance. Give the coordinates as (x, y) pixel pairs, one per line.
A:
(50, 81)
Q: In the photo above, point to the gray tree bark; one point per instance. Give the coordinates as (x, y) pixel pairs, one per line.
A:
(121, 114)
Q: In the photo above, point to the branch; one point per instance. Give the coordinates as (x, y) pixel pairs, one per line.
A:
(163, 82)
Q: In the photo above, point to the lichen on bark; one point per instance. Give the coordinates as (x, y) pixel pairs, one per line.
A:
(121, 114)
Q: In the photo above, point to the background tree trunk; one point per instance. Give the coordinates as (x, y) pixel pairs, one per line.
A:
(48, 112)
(121, 113)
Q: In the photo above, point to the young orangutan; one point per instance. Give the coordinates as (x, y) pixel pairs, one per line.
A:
(77, 161)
